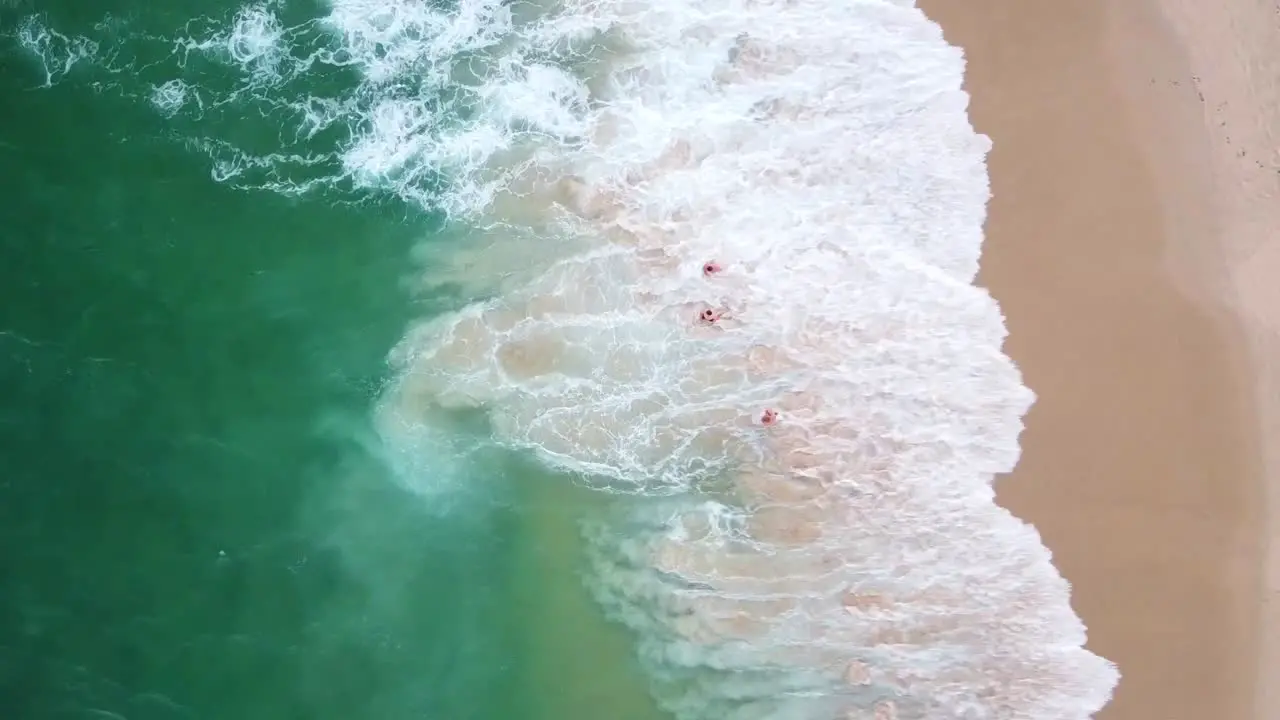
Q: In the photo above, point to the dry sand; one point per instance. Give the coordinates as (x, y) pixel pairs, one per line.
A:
(1134, 244)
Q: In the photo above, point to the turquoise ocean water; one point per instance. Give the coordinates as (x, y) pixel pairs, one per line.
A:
(196, 518)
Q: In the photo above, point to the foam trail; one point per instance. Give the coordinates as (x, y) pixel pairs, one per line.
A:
(57, 53)
(848, 560)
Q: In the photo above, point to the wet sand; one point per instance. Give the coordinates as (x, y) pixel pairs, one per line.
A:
(1141, 329)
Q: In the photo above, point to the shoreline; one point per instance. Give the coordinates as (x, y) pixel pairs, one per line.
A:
(1134, 321)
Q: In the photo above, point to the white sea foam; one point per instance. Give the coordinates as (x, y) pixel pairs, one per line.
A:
(447, 103)
(254, 42)
(169, 97)
(846, 561)
(58, 53)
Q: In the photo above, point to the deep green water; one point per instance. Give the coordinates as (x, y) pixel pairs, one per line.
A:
(194, 518)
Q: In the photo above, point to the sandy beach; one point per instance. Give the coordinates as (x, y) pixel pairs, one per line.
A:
(1130, 236)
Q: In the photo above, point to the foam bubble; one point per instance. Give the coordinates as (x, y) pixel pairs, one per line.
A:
(255, 42)
(169, 97)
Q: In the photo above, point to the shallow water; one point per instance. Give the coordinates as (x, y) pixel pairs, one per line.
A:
(692, 344)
